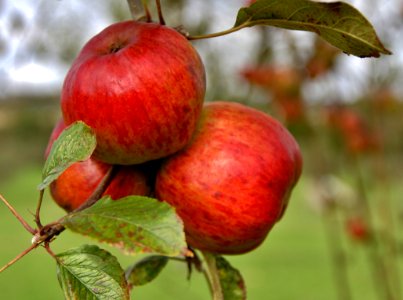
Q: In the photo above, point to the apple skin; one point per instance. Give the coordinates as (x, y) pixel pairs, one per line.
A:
(141, 87)
(232, 183)
(77, 183)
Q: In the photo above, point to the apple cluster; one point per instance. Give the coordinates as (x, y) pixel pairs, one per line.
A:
(228, 169)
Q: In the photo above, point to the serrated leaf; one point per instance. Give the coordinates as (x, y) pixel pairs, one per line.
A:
(134, 224)
(232, 283)
(146, 270)
(91, 273)
(337, 22)
(75, 143)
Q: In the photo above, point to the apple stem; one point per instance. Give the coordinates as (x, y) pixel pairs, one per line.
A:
(147, 11)
(160, 16)
(212, 276)
(19, 256)
(18, 216)
(216, 34)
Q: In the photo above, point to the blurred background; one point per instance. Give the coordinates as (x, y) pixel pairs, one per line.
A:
(341, 237)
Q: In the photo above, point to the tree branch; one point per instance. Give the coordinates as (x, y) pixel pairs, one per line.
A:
(18, 216)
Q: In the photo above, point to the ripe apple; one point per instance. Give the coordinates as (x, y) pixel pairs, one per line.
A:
(141, 87)
(77, 183)
(357, 228)
(232, 183)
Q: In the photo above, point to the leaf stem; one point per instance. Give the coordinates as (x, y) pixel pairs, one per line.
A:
(216, 34)
(18, 216)
(212, 276)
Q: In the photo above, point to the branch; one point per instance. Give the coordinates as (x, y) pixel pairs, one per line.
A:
(19, 256)
(18, 216)
(38, 210)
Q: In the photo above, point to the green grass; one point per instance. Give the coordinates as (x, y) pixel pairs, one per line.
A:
(293, 263)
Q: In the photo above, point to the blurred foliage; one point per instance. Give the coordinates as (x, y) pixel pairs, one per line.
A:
(25, 125)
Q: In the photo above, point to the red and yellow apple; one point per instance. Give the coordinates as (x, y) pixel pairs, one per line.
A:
(232, 183)
(77, 183)
(140, 87)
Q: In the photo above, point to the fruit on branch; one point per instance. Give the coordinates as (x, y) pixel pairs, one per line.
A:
(355, 131)
(284, 88)
(358, 229)
(277, 80)
(77, 183)
(140, 87)
(232, 183)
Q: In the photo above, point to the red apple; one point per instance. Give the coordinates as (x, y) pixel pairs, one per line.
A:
(140, 86)
(76, 184)
(232, 183)
(357, 228)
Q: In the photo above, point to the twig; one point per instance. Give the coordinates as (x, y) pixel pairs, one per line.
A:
(19, 256)
(50, 231)
(47, 233)
(18, 216)
(160, 16)
(38, 210)
(147, 11)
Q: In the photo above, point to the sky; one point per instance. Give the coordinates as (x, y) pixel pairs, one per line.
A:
(24, 23)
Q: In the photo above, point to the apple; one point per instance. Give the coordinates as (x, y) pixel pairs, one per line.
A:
(77, 183)
(140, 86)
(355, 131)
(232, 183)
(357, 228)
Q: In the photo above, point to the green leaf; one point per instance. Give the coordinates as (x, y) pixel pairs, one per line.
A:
(88, 272)
(75, 143)
(337, 22)
(146, 270)
(232, 283)
(134, 224)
